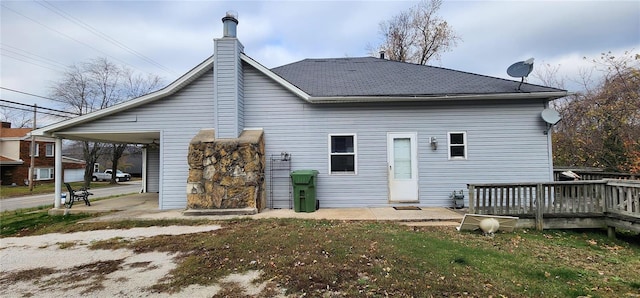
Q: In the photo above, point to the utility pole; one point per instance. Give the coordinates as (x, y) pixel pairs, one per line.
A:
(33, 150)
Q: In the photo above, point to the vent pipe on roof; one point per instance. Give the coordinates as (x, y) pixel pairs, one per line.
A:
(381, 54)
(230, 22)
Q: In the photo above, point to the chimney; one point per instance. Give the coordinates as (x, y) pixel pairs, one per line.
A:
(6, 124)
(230, 22)
(228, 81)
(381, 54)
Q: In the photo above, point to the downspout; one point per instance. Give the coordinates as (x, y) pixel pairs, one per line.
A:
(57, 178)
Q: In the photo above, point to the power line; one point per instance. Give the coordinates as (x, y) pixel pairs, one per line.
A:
(25, 61)
(102, 35)
(30, 110)
(31, 94)
(26, 54)
(39, 107)
(67, 36)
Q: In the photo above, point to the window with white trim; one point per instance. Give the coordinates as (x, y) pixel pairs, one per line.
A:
(49, 150)
(457, 145)
(343, 154)
(36, 149)
(44, 173)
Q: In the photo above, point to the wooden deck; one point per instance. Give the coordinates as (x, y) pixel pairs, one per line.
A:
(562, 205)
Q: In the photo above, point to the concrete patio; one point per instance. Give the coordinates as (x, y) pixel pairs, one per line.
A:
(145, 207)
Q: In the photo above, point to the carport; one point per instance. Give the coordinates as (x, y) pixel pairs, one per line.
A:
(163, 122)
(150, 141)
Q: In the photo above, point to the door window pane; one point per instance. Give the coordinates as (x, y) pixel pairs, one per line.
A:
(402, 158)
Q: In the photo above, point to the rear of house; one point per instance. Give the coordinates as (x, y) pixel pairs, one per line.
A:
(378, 132)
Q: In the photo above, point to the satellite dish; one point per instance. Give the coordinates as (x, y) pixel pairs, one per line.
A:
(521, 69)
(550, 116)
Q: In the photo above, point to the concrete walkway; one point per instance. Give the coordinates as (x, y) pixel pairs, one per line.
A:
(130, 187)
(145, 207)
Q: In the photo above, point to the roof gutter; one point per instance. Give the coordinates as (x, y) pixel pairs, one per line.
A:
(357, 99)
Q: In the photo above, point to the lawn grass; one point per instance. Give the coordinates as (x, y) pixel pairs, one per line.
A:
(326, 258)
(374, 259)
(43, 188)
(37, 221)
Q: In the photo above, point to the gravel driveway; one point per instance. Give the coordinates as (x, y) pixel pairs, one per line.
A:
(62, 265)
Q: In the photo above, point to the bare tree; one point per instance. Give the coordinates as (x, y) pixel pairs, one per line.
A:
(133, 85)
(95, 85)
(17, 118)
(417, 35)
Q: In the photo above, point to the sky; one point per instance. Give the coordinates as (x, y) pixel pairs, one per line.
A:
(39, 39)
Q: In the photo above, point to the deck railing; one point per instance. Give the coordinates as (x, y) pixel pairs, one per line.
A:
(577, 199)
(594, 175)
(623, 197)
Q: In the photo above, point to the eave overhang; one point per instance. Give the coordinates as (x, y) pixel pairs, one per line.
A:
(438, 98)
(170, 89)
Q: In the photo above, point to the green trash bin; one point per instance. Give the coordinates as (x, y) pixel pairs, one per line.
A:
(304, 190)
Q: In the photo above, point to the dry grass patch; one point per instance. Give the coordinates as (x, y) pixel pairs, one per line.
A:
(334, 258)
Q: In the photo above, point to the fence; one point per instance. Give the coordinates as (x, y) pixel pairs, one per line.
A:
(570, 204)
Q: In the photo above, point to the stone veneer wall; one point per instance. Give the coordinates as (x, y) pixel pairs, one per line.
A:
(226, 173)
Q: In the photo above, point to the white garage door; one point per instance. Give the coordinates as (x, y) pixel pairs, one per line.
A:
(73, 175)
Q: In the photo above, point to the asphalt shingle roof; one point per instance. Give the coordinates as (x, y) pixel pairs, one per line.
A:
(369, 76)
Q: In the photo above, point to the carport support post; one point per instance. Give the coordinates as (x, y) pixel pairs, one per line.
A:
(144, 169)
(57, 172)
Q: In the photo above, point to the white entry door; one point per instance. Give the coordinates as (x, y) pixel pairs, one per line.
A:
(402, 159)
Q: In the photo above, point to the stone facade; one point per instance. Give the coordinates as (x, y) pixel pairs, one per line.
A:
(226, 173)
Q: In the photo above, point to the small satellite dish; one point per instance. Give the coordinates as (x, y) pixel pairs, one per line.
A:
(521, 69)
(550, 116)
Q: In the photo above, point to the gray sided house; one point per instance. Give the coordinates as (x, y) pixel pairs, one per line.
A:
(379, 132)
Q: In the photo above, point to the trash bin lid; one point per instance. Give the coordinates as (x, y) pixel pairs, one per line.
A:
(303, 176)
(305, 173)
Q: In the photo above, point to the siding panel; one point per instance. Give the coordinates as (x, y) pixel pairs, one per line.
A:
(178, 118)
(301, 129)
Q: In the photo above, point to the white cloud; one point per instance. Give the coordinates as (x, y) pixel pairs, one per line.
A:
(179, 34)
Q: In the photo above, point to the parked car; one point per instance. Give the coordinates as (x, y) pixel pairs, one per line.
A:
(106, 176)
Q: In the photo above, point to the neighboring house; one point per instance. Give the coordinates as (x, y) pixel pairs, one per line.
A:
(379, 132)
(15, 157)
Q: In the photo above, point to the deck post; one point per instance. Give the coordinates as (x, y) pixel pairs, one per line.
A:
(611, 232)
(472, 199)
(539, 207)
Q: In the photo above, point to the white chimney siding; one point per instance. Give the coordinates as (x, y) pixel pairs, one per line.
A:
(228, 84)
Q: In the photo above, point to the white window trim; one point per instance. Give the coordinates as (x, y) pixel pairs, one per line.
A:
(37, 149)
(53, 150)
(37, 174)
(355, 154)
(464, 142)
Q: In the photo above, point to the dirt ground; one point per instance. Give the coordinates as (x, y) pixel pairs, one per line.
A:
(62, 265)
